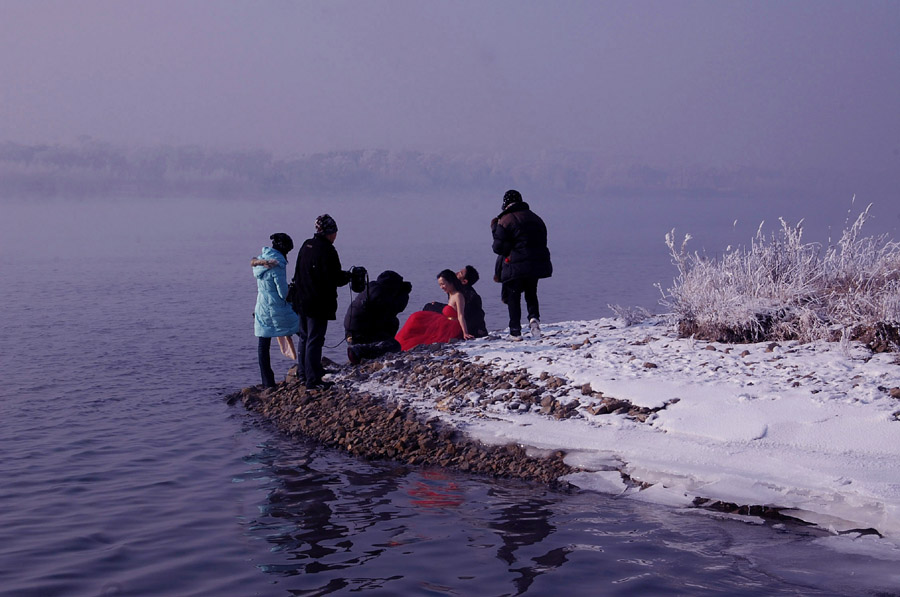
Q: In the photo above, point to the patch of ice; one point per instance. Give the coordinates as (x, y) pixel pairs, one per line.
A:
(659, 494)
(601, 481)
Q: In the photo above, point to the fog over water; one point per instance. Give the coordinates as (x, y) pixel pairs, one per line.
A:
(780, 85)
(605, 250)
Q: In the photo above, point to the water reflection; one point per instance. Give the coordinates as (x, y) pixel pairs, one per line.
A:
(336, 525)
(524, 524)
(313, 510)
(390, 524)
(436, 490)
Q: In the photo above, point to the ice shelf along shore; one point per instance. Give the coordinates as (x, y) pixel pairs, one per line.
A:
(772, 430)
(811, 430)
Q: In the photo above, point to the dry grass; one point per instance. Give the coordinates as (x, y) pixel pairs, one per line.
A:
(782, 288)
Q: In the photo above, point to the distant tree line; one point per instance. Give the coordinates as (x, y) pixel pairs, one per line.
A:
(96, 169)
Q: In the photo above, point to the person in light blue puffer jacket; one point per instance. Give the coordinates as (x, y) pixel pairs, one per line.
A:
(273, 316)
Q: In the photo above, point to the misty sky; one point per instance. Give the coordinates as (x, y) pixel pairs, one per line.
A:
(785, 83)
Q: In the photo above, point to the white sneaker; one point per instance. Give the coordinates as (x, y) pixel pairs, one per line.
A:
(515, 338)
(535, 328)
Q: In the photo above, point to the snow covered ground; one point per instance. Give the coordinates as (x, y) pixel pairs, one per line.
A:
(808, 428)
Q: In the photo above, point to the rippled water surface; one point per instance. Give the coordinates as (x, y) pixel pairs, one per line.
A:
(125, 473)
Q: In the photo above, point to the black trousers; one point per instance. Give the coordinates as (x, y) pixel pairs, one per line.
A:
(373, 350)
(265, 363)
(511, 294)
(309, 351)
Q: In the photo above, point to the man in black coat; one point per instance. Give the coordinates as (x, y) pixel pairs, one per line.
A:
(474, 310)
(317, 276)
(520, 242)
(371, 321)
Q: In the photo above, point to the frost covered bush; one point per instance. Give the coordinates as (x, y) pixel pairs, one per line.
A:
(630, 315)
(782, 288)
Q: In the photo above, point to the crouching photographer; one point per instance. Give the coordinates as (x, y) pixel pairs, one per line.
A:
(371, 321)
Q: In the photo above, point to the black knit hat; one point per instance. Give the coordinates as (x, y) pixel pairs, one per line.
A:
(511, 196)
(326, 224)
(282, 243)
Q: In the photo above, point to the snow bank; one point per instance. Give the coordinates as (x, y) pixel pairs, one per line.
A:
(809, 428)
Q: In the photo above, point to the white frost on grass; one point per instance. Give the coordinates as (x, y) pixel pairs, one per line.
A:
(781, 286)
(805, 427)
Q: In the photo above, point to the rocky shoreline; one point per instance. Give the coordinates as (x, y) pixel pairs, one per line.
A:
(386, 409)
(372, 427)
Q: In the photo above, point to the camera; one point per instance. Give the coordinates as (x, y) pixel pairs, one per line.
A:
(358, 277)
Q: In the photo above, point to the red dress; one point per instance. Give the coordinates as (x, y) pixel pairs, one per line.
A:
(428, 327)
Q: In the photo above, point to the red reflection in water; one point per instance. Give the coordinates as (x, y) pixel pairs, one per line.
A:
(436, 491)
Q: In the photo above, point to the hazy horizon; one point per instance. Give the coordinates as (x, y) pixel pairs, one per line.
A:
(806, 84)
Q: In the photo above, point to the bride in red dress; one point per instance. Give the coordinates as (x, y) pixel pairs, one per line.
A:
(428, 327)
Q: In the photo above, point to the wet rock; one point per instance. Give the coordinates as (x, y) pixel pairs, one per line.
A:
(379, 426)
(766, 512)
(372, 427)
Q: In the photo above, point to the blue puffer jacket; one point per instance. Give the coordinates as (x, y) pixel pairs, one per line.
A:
(273, 315)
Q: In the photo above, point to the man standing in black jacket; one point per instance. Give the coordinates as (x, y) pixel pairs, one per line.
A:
(317, 276)
(520, 242)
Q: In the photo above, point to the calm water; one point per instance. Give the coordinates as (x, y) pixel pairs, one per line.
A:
(124, 473)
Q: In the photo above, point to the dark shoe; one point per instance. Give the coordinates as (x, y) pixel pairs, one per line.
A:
(320, 385)
(351, 356)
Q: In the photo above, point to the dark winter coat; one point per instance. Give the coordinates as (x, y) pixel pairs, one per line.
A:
(372, 316)
(474, 312)
(317, 276)
(520, 239)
